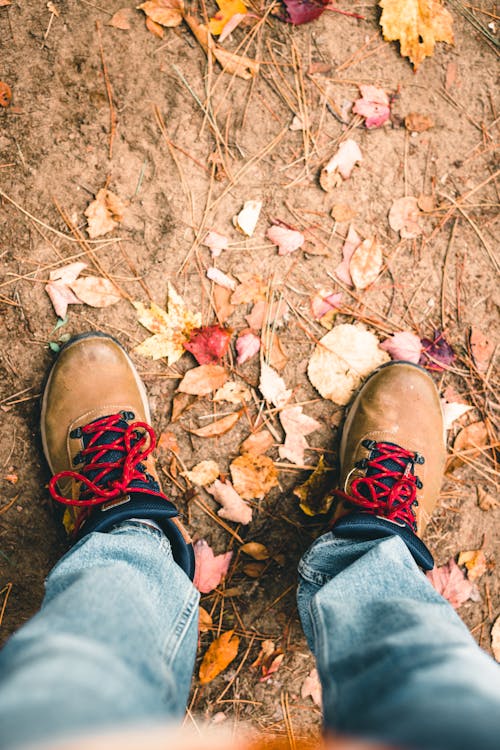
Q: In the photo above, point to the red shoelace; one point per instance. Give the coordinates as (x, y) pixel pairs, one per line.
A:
(395, 502)
(102, 487)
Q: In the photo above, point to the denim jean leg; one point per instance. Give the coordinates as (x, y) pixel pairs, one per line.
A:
(395, 661)
(113, 644)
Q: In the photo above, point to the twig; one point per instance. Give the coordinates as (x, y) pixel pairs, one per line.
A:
(109, 92)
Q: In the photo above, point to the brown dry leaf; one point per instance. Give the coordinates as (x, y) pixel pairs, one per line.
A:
(5, 94)
(342, 212)
(233, 507)
(404, 217)
(219, 655)
(426, 203)
(223, 307)
(486, 501)
(168, 442)
(366, 263)
(417, 25)
(180, 403)
(256, 550)
(273, 350)
(155, 28)
(495, 639)
(96, 291)
(258, 443)
(253, 476)
(251, 288)
(267, 648)
(233, 393)
(238, 65)
(205, 622)
(4, 3)
(475, 562)
(473, 436)
(104, 213)
(417, 123)
(482, 349)
(450, 582)
(164, 12)
(219, 427)
(122, 19)
(203, 473)
(202, 380)
(254, 569)
(11, 478)
(315, 498)
(312, 687)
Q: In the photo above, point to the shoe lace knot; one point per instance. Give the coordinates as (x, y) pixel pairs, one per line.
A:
(389, 487)
(112, 456)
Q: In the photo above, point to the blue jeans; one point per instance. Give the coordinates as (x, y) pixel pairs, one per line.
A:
(115, 641)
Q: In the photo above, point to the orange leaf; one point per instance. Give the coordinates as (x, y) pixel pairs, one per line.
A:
(202, 380)
(220, 427)
(219, 655)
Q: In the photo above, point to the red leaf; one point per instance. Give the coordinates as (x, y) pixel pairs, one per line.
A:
(374, 106)
(303, 11)
(208, 344)
(437, 353)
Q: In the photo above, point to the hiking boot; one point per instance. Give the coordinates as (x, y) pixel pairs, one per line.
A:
(392, 456)
(98, 442)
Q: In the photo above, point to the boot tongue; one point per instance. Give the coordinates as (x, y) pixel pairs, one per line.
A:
(107, 438)
(389, 464)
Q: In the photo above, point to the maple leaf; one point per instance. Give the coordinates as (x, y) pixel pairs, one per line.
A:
(203, 473)
(59, 289)
(450, 582)
(234, 508)
(164, 12)
(403, 345)
(436, 353)
(417, 25)
(340, 166)
(404, 217)
(227, 9)
(104, 213)
(296, 425)
(253, 476)
(373, 106)
(210, 569)
(288, 240)
(171, 329)
(208, 344)
(219, 655)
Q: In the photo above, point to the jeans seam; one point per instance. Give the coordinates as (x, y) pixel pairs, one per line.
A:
(178, 634)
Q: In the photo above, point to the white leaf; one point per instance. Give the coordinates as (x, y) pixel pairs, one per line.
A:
(247, 219)
(272, 386)
(218, 277)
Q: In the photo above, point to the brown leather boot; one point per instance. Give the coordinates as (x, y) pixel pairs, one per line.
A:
(392, 457)
(98, 442)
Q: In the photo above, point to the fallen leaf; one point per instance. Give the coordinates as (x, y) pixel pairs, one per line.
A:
(104, 213)
(436, 353)
(475, 562)
(155, 28)
(482, 349)
(61, 296)
(5, 94)
(366, 263)
(342, 359)
(208, 344)
(404, 345)
(315, 498)
(251, 289)
(11, 478)
(296, 425)
(267, 648)
(373, 106)
(417, 25)
(324, 306)
(470, 440)
(180, 403)
(4, 3)
(450, 582)
(67, 274)
(205, 622)
(203, 473)
(271, 664)
(495, 639)
(272, 386)
(202, 380)
(417, 123)
(210, 569)
(122, 19)
(216, 243)
(255, 550)
(258, 443)
(253, 476)
(219, 427)
(232, 24)
(486, 501)
(234, 508)
(342, 212)
(312, 687)
(426, 203)
(218, 277)
(254, 569)
(231, 63)
(352, 241)
(168, 442)
(165, 12)
(171, 329)
(233, 393)
(288, 240)
(247, 346)
(223, 307)
(404, 217)
(227, 9)
(452, 410)
(96, 291)
(219, 655)
(247, 219)
(263, 312)
(274, 352)
(296, 124)
(340, 166)
(303, 11)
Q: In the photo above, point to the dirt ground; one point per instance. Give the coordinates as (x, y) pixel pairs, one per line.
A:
(232, 142)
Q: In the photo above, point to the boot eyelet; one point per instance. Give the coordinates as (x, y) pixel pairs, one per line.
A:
(370, 444)
(77, 459)
(76, 433)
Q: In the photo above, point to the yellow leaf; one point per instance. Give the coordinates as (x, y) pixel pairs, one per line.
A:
(315, 499)
(219, 655)
(475, 562)
(164, 12)
(228, 9)
(171, 329)
(417, 25)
